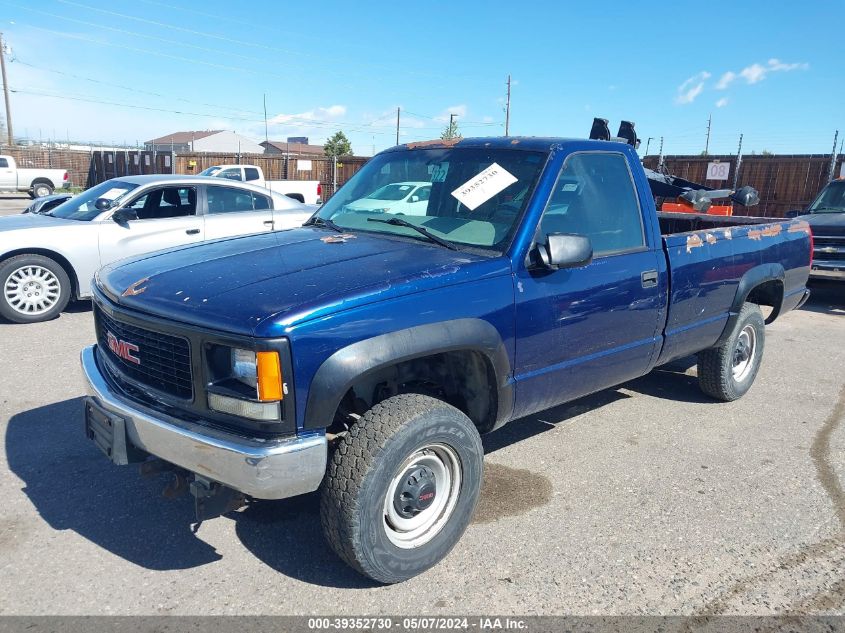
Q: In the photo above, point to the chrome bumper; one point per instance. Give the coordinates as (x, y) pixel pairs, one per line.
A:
(261, 469)
(828, 273)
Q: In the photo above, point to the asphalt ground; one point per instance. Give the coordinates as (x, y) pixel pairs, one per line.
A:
(645, 499)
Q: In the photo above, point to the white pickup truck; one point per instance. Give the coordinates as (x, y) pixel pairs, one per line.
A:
(36, 182)
(306, 191)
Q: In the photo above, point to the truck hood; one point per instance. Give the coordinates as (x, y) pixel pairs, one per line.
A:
(263, 284)
(827, 224)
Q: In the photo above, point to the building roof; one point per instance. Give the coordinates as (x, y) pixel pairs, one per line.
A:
(183, 137)
(294, 148)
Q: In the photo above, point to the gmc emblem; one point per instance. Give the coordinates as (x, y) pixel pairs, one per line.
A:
(123, 349)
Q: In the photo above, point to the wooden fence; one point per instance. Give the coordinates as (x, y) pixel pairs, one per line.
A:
(784, 182)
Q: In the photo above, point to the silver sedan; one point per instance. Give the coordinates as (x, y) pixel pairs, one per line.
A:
(47, 260)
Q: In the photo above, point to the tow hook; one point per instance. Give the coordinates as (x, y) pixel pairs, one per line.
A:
(213, 499)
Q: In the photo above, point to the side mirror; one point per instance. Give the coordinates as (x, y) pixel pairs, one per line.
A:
(564, 250)
(122, 216)
(414, 199)
(102, 204)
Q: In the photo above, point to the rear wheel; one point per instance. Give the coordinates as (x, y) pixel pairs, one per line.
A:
(41, 189)
(34, 288)
(726, 372)
(401, 487)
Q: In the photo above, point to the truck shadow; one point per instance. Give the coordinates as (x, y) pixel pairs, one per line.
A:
(74, 487)
(826, 297)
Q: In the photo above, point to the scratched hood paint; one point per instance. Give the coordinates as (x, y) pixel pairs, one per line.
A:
(263, 284)
(832, 224)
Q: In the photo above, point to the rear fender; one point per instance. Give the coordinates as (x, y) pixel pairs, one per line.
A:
(755, 279)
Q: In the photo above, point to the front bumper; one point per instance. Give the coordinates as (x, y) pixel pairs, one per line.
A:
(272, 469)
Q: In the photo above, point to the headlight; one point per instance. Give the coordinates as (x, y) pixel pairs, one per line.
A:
(246, 383)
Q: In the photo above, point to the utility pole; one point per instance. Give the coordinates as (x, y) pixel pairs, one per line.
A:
(833, 157)
(660, 156)
(707, 142)
(397, 126)
(647, 143)
(508, 109)
(738, 162)
(6, 91)
(266, 138)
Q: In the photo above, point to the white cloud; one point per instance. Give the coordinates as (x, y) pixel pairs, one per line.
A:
(458, 110)
(487, 119)
(721, 103)
(691, 88)
(304, 119)
(755, 73)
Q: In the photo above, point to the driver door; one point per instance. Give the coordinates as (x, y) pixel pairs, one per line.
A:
(166, 218)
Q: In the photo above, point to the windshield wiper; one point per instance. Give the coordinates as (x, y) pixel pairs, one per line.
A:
(318, 221)
(418, 229)
(838, 209)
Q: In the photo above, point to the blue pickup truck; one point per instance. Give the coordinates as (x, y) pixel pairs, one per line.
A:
(363, 354)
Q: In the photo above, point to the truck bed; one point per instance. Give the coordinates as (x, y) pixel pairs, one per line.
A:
(709, 256)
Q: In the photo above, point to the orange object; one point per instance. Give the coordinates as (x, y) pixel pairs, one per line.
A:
(685, 207)
(269, 376)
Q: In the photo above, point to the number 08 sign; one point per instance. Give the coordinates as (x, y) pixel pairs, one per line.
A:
(718, 171)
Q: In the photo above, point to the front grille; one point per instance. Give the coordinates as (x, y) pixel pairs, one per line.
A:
(164, 360)
(829, 248)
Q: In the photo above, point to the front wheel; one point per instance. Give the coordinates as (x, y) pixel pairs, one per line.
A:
(726, 372)
(401, 487)
(34, 288)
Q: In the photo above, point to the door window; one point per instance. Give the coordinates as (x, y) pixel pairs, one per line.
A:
(251, 173)
(168, 202)
(232, 200)
(4, 162)
(595, 196)
(233, 173)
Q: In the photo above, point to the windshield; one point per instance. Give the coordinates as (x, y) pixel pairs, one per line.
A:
(209, 171)
(831, 199)
(473, 196)
(82, 207)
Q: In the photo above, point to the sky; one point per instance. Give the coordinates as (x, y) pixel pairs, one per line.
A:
(126, 71)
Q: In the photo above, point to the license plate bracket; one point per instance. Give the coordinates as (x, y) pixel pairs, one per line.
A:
(108, 432)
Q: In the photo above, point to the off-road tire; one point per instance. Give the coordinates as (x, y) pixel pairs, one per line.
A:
(716, 365)
(8, 268)
(359, 476)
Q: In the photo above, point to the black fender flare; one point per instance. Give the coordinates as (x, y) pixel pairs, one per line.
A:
(347, 365)
(749, 281)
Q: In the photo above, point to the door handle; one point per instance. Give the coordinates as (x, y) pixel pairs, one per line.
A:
(269, 222)
(649, 279)
(192, 231)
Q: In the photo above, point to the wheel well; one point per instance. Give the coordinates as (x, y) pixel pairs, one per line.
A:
(61, 261)
(46, 181)
(463, 378)
(768, 293)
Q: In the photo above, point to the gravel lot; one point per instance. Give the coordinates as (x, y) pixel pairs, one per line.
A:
(649, 498)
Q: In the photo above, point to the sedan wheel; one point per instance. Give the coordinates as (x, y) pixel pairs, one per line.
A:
(35, 288)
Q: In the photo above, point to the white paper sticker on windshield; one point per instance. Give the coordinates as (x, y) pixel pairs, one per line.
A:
(111, 194)
(479, 189)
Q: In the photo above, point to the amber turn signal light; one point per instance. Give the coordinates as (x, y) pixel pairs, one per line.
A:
(269, 373)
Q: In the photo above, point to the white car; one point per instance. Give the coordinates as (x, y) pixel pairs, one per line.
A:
(48, 259)
(401, 198)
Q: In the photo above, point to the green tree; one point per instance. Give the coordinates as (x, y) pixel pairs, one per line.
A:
(338, 145)
(451, 130)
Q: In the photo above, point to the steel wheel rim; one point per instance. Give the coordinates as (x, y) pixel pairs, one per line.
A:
(414, 532)
(32, 290)
(743, 357)
(40, 191)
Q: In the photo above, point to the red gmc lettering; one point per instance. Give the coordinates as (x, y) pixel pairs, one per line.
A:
(123, 349)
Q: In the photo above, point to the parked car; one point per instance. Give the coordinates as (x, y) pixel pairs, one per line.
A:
(399, 198)
(48, 259)
(46, 203)
(37, 182)
(364, 353)
(826, 217)
(305, 191)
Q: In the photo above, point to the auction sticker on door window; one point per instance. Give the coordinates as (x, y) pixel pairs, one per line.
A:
(479, 189)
